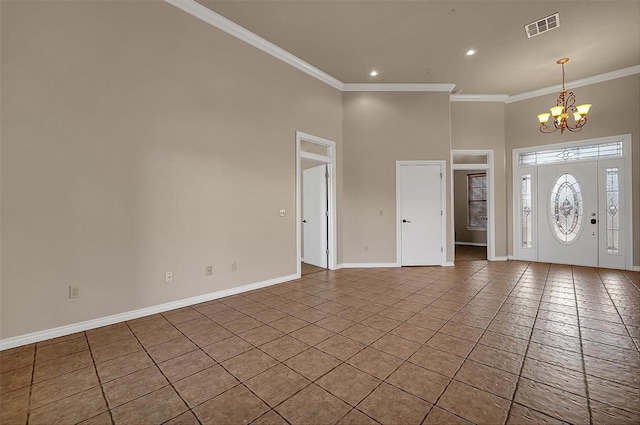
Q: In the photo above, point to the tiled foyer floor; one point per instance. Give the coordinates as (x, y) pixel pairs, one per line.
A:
(513, 342)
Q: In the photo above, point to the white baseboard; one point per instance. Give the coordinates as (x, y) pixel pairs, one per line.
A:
(635, 268)
(338, 267)
(368, 265)
(448, 264)
(471, 243)
(17, 341)
(511, 257)
(500, 258)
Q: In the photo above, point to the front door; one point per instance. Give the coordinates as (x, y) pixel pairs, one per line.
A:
(314, 213)
(420, 214)
(568, 213)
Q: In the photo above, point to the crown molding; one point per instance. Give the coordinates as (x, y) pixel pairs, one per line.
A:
(216, 20)
(398, 87)
(624, 72)
(479, 97)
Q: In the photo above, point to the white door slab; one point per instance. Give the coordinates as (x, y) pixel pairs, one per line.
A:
(314, 215)
(420, 214)
(568, 213)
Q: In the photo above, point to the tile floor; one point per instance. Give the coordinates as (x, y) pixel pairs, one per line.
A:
(486, 343)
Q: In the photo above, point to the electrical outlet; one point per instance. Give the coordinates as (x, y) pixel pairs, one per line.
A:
(283, 212)
(208, 271)
(234, 266)
(74, 291)
(168, 277)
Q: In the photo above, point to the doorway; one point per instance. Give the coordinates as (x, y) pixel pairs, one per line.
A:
(421, 230)
(316, 232)
(573, 203)
(470, 214)
(315, 214)
(474, 204)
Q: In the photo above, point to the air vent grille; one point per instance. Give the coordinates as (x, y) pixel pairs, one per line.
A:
(542, 25)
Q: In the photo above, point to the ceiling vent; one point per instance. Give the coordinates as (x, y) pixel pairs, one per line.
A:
(542, 25)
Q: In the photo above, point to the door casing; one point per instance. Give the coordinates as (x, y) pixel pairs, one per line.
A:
(530, 254)
(330, 160)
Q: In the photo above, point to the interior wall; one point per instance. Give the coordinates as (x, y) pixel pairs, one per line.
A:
(379, 129)
(460, 203)
(138, 140)
(615, 111)
(481, 125)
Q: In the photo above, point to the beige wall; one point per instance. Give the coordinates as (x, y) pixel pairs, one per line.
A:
(138, 140)
(460, 205)
(480, 125)
(379, 129)
(615, 111)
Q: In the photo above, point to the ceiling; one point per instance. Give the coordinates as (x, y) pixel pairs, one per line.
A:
(424, 41)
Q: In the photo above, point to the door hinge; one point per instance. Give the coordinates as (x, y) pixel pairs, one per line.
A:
(326, 175)
(440, 212)
(326, 213)
(441, 249)
(327, 251)
(440, 175)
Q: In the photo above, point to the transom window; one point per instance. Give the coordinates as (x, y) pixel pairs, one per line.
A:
(575, 153)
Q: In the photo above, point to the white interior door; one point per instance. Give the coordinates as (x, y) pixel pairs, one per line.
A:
(420, 214)
(568, 213)
(314, 215)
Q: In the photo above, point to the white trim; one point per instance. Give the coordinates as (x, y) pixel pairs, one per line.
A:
(469, 167)
(500, 258)
(368, 265)
(315, 157)
(398, 87)
(448, 264)
(635, 268)
(628, 178)
(470, 243)
(216, 20)
(212, 18)
(330, 160)
(491, 207)
(479, 97)
(17, 341)
(620, 73)
(511, 257)
(443, 204)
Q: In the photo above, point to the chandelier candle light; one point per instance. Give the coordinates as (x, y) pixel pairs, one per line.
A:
(564, 106)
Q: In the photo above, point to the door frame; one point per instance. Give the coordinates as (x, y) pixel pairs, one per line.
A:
(518, 253)
(330, 160)
(488, 169)
(443, 206)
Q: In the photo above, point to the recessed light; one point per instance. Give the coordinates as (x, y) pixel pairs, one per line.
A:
(471, 52)
(374, 73)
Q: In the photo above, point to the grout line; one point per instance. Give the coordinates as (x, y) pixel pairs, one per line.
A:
(524, 356)
(163, 374)
(584, 368)
(478, 342)
(33, 373)
(100, 383)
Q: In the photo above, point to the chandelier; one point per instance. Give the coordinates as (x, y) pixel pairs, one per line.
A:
(565, 106)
